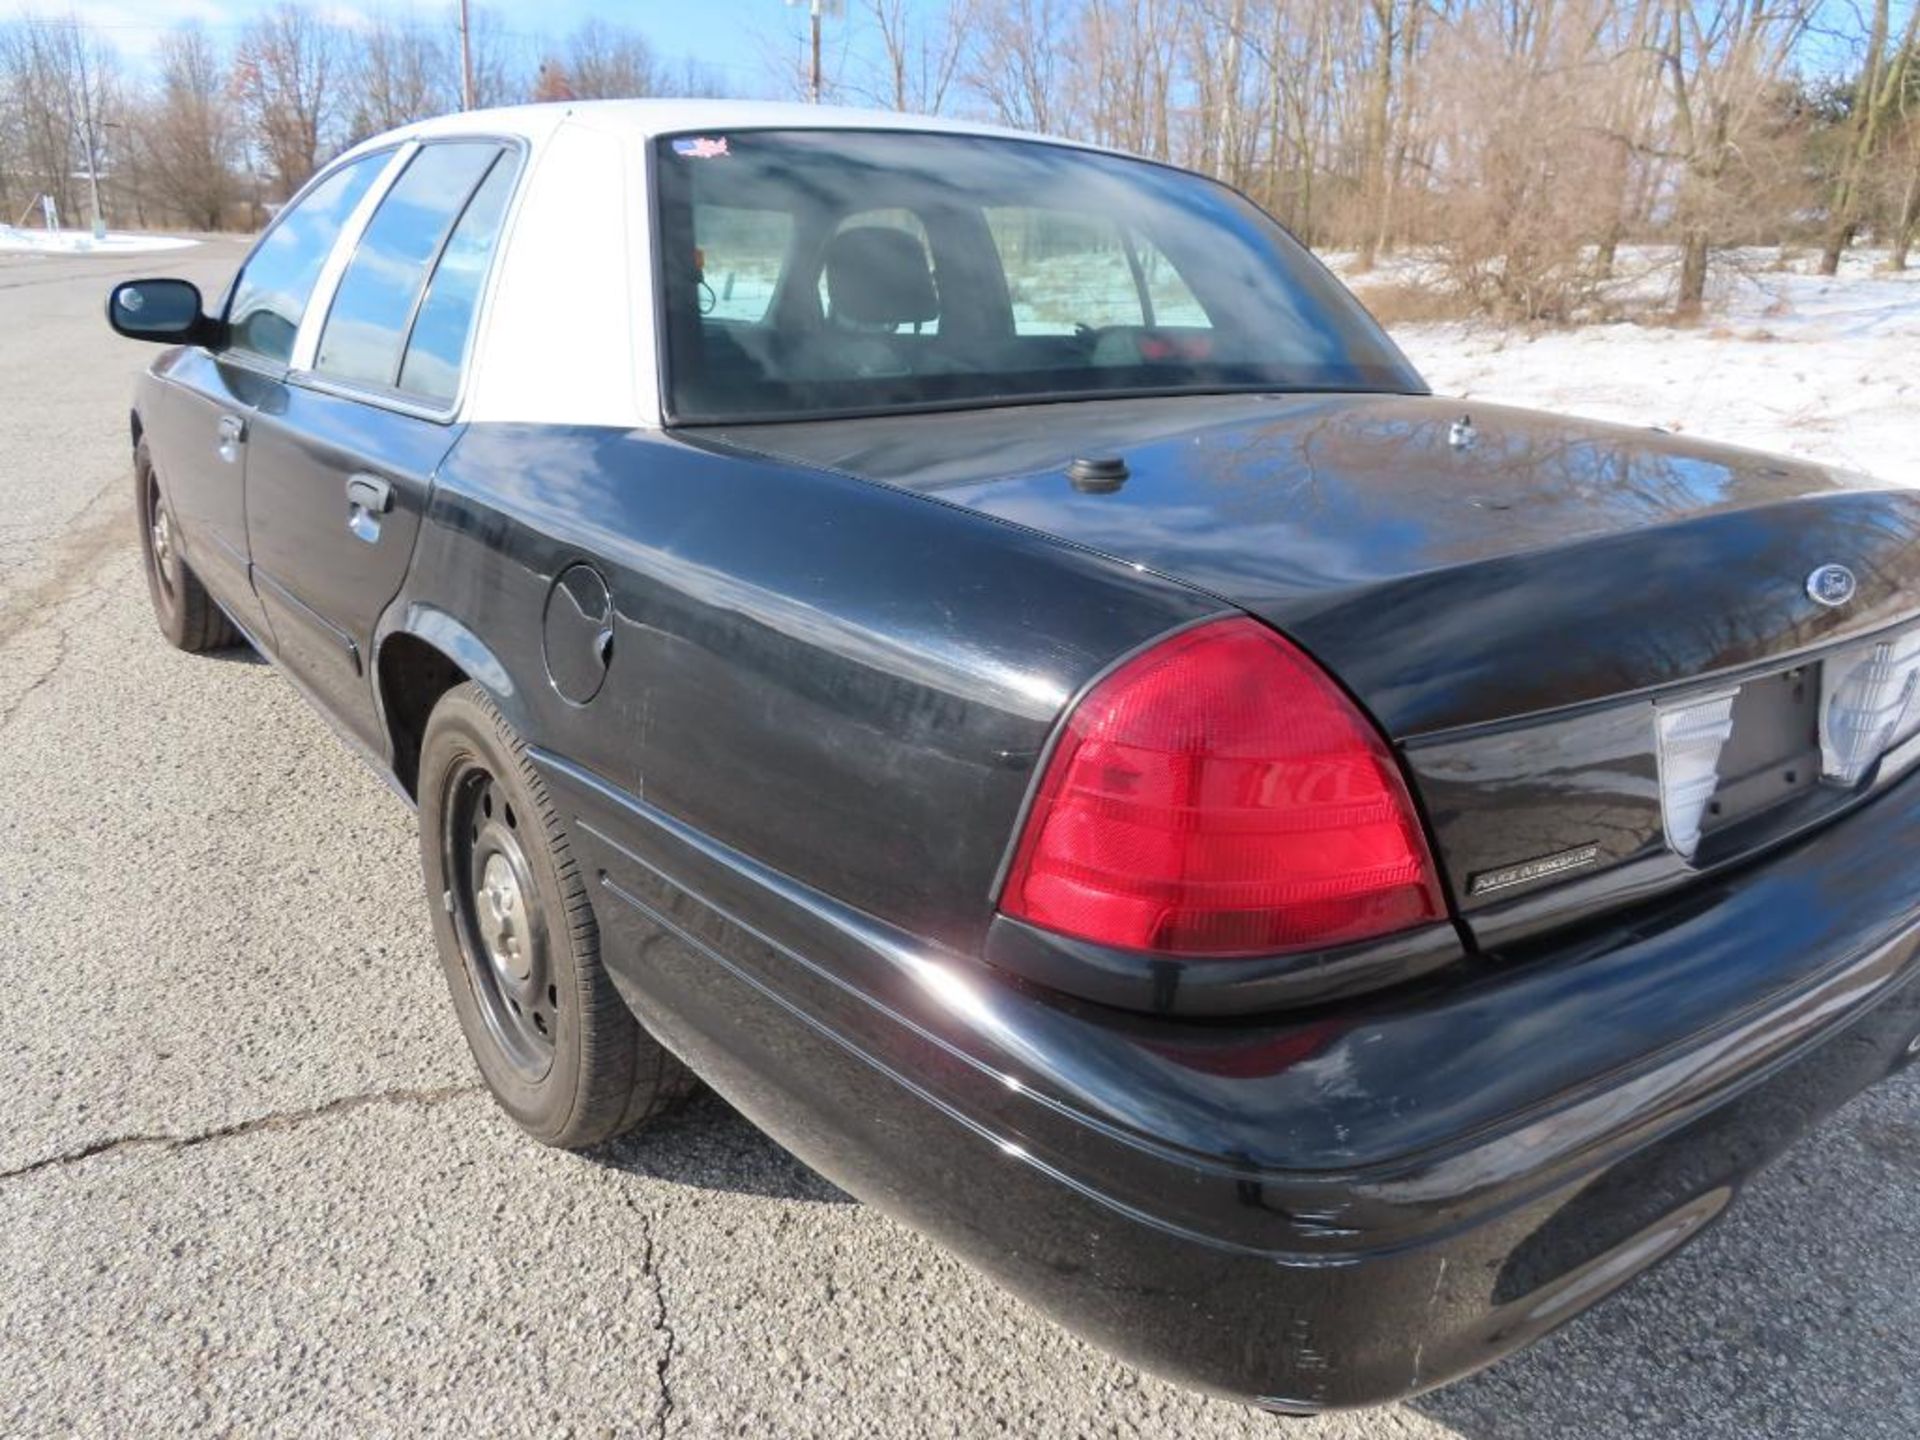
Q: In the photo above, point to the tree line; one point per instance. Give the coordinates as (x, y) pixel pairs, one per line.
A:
(1523, 143)
(218, 133)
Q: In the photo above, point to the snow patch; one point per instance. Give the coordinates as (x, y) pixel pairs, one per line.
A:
(15, 240)
(1826, 369)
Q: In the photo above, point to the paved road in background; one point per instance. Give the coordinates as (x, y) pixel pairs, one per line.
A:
(248, 1183)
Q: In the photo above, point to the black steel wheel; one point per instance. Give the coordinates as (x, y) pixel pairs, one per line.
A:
(554, 1041)
(499, 920)
(187, 615)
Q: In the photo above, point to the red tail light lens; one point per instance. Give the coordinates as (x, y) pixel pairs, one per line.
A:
(1218, 795)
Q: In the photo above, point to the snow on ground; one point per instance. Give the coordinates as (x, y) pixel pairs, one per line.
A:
(1785, 360)
(17, 240)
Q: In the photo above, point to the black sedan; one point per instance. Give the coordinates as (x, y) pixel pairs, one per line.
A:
(981, 651)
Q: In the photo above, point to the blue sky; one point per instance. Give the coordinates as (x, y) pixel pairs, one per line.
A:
(747, 41)
(755, 45)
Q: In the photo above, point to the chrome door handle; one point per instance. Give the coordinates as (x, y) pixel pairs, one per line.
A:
(368, 498)
(233, 434)
(370, 493)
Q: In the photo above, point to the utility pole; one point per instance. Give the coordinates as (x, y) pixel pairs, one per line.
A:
(93, 153)
(815, 9)
(813, 82)
(466, 60)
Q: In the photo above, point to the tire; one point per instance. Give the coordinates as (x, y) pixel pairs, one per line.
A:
(188, 616)
(556, 1044)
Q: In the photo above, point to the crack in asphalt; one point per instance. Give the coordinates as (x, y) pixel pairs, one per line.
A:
(93, 534)
(62, 640)
(662, 1322)
(274, 1120)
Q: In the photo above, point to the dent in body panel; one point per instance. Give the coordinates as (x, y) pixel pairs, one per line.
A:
(844, 681)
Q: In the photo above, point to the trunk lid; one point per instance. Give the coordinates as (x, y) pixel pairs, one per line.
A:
(1513, 596)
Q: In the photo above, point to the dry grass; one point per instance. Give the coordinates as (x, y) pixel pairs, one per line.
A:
(1401, 302)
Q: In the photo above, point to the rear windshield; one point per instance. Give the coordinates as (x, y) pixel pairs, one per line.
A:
(816, 272)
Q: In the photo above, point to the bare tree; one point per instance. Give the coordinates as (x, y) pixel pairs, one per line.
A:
(1722, 60)
(60, 95)
(1630, 92)
(1129, 56)
(1386, 17)
(500, 62)
(1520, 104)
(606, 61)
(551, 82)
(1903, 187)
(403, 72)
(1875, 110)
(1907, 214)
(924, 53)
(189, 137)
(288, 75)
(1018, 67)
(35, 73)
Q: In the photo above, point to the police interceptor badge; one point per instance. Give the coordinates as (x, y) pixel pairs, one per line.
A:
(1539, 868)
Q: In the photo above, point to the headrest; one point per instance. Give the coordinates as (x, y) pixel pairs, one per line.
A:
(877, 275)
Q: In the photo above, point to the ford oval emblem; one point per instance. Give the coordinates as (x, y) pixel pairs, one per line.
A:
(1831, 585)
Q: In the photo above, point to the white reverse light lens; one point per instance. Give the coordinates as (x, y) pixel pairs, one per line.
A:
(1691, 736)
(1866, 705)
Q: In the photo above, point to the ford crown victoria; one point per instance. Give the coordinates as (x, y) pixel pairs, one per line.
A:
(981, 651)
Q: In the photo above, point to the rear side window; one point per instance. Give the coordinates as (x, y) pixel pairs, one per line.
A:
(373, 310)
(272, 292)
(437, 348)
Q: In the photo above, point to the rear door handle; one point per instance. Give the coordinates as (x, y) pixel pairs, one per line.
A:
(233, 434)
(370, 493)
(368, 498)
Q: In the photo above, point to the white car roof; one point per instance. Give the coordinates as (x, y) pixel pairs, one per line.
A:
(647, 119)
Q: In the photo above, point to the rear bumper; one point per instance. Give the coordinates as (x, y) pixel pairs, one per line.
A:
(1303, 1212)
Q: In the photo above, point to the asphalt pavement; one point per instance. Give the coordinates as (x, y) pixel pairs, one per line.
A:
(249, 1184)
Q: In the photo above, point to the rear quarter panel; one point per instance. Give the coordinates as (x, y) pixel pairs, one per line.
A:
(846, 682)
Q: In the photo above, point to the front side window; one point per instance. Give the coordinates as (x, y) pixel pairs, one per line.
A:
(926, 271)
(1065, 270)
(272, 292)
(373, 310)
(742, 255)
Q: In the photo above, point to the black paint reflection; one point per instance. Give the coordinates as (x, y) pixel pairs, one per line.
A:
(1554, 561)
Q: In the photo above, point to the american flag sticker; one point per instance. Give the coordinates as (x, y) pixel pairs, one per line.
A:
(700, 147)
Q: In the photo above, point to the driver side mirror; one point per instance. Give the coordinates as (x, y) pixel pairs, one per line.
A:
(164, 311)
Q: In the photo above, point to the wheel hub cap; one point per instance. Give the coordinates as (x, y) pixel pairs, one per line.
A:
(162, 538)
(501, 917)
